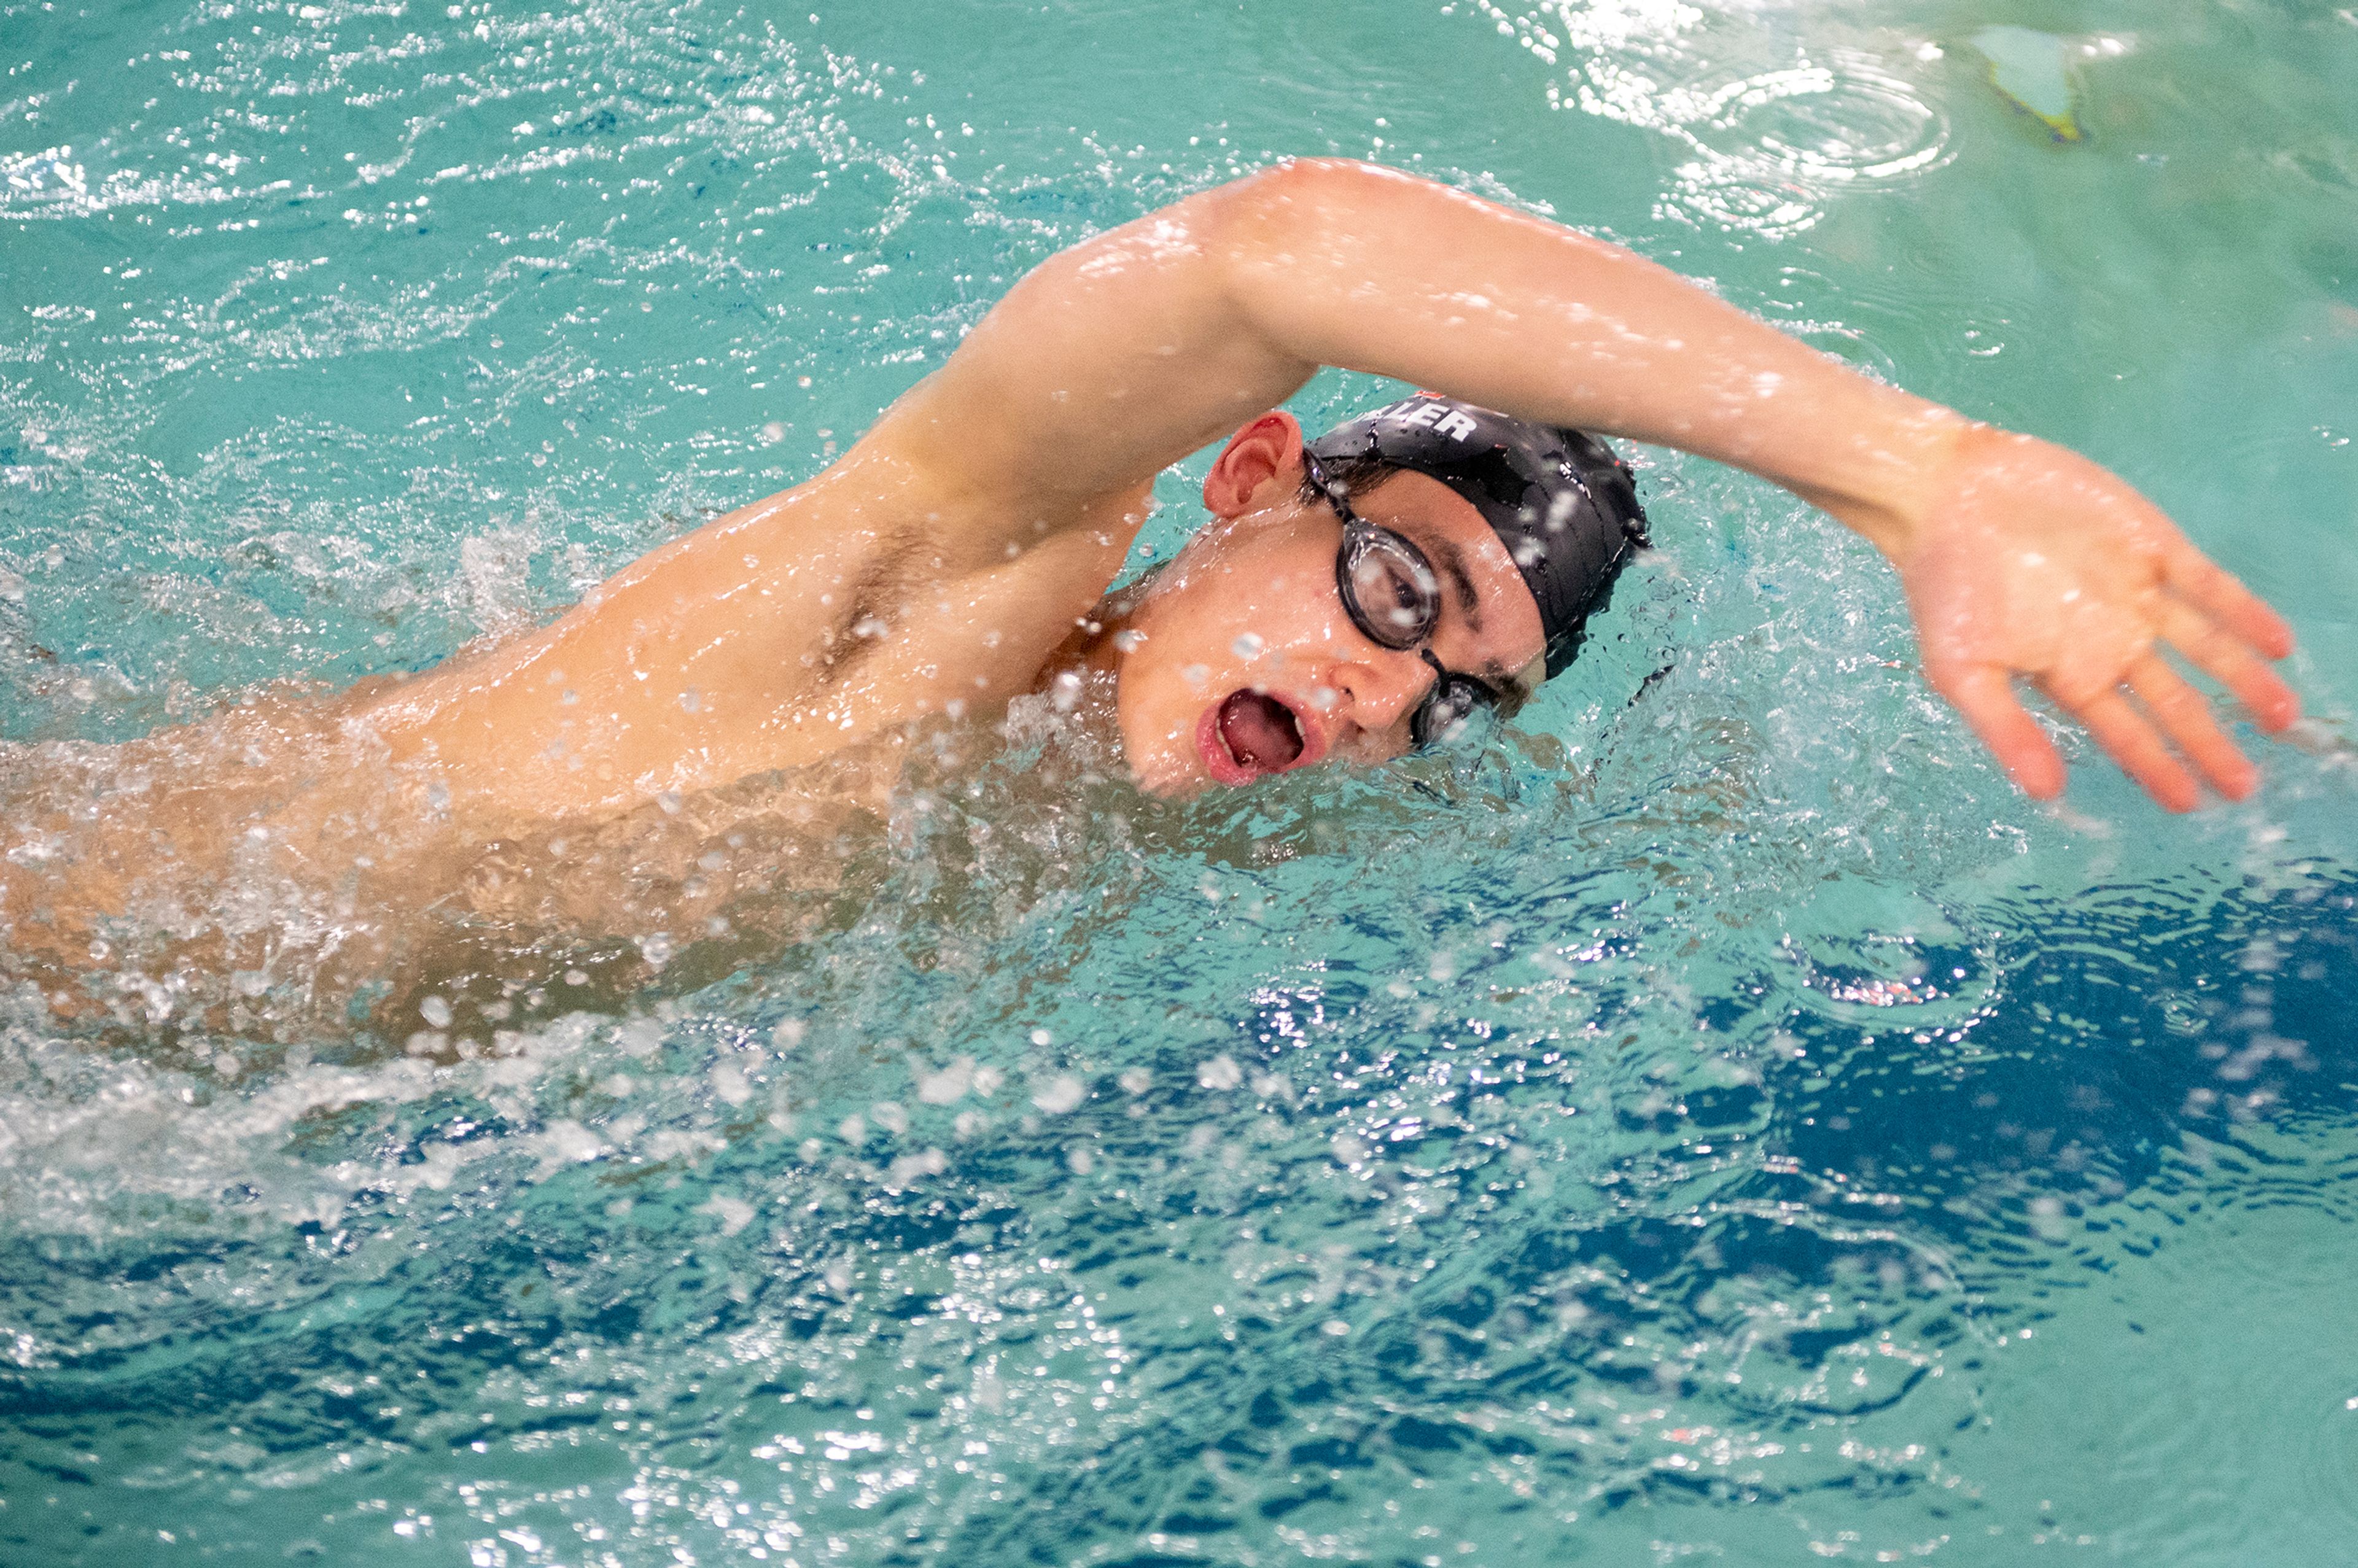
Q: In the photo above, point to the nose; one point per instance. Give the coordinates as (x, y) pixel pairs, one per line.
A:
(1379, 692)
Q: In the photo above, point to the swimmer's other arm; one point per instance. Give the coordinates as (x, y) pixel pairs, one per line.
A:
(947, 554)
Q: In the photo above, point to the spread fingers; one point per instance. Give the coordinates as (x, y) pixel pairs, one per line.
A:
(2130, 741)
(2184, 715)
(1984, 695)
(2219, 594)
(2230, 660)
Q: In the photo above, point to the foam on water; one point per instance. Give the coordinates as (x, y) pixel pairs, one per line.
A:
(1718, 1117)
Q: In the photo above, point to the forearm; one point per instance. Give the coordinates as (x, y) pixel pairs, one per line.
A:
(1348, 264)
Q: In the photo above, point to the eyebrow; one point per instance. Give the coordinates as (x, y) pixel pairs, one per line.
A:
(1452, 563)
(1469, 604)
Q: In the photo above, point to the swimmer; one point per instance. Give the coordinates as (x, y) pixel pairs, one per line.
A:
(959, 553)
(1354, 594)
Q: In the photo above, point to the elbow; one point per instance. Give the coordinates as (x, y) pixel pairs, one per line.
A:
(1315, 184)
(1302, 216)
(1297, 207)
(1294, 208)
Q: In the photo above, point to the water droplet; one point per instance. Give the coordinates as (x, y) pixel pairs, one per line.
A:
(734, 1214)
(1220, 1072)
(1060, 1095)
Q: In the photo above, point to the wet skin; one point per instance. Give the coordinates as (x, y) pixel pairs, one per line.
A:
(940, 567)
(1248, 608)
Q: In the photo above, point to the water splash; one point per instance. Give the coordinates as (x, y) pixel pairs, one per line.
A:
(1717, 1118)
(1766, 150)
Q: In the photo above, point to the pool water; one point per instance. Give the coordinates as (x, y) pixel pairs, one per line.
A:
(1719, 1121)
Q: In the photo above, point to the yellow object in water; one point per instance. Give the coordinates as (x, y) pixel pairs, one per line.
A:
(2033, 70)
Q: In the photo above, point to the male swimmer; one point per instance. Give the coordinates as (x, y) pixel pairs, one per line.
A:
(1354, 595)
(1443, 556)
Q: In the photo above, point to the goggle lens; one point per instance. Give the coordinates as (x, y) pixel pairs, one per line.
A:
(1392, 595)
(1389, 589)
(1442, 716)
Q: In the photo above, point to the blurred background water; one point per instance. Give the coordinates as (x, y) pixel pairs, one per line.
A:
(1721, 1121)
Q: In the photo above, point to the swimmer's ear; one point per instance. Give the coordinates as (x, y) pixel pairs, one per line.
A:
(1262, 464)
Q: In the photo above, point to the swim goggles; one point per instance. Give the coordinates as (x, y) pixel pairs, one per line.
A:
(1393, 596)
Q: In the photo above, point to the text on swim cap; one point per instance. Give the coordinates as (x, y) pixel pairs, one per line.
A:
(1419, 413)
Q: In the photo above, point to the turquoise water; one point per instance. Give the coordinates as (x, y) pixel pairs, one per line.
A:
(1722, 1122)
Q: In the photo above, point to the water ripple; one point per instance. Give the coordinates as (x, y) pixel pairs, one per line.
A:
(1766, 151)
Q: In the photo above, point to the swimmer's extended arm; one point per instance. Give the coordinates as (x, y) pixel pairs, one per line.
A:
(947, 554)
(2019, 558)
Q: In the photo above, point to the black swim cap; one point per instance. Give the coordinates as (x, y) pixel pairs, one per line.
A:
(1566, 507)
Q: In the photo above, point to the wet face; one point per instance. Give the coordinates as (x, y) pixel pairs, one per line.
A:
(1240, 660)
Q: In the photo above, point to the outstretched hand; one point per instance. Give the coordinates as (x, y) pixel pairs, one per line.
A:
(2030, 561)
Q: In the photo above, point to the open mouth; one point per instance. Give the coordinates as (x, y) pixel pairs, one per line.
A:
(1251, 734)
